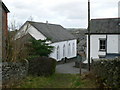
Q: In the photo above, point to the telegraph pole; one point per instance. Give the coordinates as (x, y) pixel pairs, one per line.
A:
(1, 36)
(89, 35)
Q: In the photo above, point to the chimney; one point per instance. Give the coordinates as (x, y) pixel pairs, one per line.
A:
(46, 22)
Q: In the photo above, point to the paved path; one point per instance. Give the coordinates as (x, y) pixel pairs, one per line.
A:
(68, 68)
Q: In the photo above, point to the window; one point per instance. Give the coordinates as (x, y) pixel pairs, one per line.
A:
(58, 52)
(102, 44)
(73, 48)
(69, 49)
(64, 51)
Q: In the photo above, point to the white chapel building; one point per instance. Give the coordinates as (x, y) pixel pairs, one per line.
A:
(64, 43)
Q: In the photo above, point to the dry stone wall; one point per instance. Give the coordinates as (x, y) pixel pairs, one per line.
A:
(12, 72)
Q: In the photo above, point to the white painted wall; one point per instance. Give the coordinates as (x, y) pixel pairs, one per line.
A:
(113, 45)
(70, 54)
(119, 43)
(27, 28)
(36, 34)
(22, 31)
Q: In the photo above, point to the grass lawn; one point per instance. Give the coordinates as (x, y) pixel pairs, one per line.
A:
(57, 81)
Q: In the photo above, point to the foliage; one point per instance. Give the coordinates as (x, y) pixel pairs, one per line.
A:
(16, 50)
(108, 71)
(42, 66)
(8, 50)
(78, 41)
(10, 47)
(40, 48)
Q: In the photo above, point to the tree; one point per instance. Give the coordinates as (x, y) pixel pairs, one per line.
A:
(40, 48)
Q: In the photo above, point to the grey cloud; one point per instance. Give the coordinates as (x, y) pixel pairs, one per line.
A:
(72, 10)
(103, 9)
(68, 14)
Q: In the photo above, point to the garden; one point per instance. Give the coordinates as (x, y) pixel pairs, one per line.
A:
(28, 66)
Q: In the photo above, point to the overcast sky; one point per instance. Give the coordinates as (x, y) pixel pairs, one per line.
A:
(68, 13)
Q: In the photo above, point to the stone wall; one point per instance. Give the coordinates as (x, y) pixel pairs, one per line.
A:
(108, 71)
(12, 72)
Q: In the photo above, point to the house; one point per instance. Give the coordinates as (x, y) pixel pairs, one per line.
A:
(104, 38)
(3, 29)
(64, 43)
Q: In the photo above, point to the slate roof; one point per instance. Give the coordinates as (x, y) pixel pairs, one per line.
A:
(52, 31)
(105, 25)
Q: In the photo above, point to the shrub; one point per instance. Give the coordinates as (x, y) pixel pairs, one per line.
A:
(42, 66)
(108, 71)
(40, 48)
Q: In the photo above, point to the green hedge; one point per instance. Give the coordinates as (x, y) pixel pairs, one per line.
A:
(42, 66)
(108, 71)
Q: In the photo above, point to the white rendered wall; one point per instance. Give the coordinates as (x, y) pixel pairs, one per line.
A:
(36, 34)
(27, 28)
(22, 31)
(113, 45)
(71, 54)
(94, 46)
(119, 43)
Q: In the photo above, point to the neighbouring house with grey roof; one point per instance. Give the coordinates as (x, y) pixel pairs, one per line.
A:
(104, 38)
(64, 43)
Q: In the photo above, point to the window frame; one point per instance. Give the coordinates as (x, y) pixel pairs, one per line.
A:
(58, 52)
(73, 48)
(105, 45)
(69, 49)
(64, 54)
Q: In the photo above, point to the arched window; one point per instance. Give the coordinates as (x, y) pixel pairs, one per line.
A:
(58, 52)
(63, 51)
(73, 48)
(69, 49)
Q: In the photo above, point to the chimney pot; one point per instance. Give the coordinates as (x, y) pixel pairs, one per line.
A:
(46, 22)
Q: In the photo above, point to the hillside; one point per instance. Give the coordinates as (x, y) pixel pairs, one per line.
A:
(79, 33)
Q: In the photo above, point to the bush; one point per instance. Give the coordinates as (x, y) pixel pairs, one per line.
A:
(42, 66)
(39, 48)
(108, 71)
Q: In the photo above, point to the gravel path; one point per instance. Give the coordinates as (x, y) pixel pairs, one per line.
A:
(68, 68)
